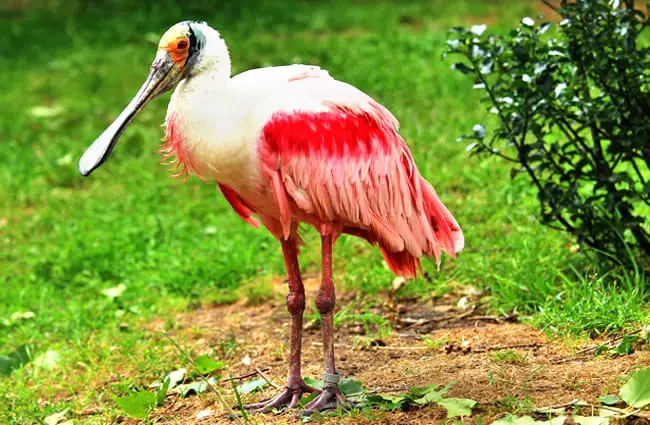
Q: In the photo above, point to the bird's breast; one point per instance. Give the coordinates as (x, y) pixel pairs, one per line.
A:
(205, 143)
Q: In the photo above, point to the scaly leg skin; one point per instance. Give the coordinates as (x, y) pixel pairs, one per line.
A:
(330, 397)
(295, 386)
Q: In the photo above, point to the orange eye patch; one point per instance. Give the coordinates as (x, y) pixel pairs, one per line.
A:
(178, 49)
(176, 41)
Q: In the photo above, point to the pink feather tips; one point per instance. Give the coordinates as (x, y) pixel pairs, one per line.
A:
(176, 156)
(172, 160)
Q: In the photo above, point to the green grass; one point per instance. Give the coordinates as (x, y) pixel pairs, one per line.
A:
(64, 239)
(507, 357)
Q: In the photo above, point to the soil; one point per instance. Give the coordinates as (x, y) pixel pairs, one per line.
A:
(462, 343)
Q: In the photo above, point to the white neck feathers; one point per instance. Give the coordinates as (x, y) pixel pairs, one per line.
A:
(214, 59)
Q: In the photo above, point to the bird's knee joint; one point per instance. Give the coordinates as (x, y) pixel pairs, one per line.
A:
(295, 302)
(325, 303)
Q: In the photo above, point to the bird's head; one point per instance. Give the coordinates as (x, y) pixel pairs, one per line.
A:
(185, 50)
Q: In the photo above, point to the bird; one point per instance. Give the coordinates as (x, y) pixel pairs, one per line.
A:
(288, 145)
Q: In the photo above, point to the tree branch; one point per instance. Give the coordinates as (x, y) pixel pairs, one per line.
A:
(551, 5)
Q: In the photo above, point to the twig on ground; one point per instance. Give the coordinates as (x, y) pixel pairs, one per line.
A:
(546, 409)
(423, 348)
(441, 319)
(497, 319)
(621, 413)
(608, 344)
(266, 378)
(507, 347)
(378, 347)
(248, 375)
(563, 360)
(320, 344)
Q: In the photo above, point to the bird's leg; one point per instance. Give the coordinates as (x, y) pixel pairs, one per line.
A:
(295, 386)
(330, 397)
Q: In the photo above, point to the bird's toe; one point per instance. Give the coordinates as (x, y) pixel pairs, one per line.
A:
(329, 399)
(289, 398)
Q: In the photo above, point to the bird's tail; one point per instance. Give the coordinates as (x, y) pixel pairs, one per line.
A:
(446, 229)
(444, 235)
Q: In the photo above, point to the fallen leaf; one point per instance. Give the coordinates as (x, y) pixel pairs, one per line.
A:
(560, 420)
(514, 420)
(528, 420)
(196, 387)
(350, 386)
(316, 383)
(56, 418)
(609, 400)
(457, 407)
(590, 420)
(430, 396)
(636, 391)
(607, 413)
(137, 405)
(252, 386)
(176, 377)
(204, 365)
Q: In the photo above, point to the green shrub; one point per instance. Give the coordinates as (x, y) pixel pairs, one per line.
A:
(573, 107)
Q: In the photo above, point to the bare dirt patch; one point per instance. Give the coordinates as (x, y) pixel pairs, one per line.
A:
(430, 343)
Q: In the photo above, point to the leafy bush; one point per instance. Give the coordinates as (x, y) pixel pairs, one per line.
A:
(573, 106)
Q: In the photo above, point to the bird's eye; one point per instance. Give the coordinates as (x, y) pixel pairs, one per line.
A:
(182, 44)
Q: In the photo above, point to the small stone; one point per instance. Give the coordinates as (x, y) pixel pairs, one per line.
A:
(357, 330)
(397, 284)
(204, 414)
(246, 360)
(463, 303)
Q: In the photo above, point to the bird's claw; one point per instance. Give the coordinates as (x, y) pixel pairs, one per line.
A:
(288, 398)
(330, 398)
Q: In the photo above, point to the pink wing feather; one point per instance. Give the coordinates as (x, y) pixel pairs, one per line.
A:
(347, 170)
(241, 207)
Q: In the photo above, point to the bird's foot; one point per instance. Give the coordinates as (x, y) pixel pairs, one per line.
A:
(288, 398)
(330, 398)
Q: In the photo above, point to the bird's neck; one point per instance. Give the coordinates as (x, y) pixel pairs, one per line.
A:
(214, 62)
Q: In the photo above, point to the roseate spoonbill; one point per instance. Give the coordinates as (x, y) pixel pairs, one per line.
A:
(291, 144)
